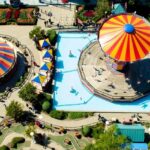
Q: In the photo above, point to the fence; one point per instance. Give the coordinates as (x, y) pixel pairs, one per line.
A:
(24, 49)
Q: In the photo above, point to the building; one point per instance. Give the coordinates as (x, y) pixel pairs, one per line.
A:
(118, 9)
(134, 132)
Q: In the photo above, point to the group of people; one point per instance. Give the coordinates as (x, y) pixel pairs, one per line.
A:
(48, 22)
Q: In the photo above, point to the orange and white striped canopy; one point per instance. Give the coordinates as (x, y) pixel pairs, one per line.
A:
(125, 37)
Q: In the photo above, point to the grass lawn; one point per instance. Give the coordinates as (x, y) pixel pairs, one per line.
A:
(78, 144)
(22, 145)
(14, 128)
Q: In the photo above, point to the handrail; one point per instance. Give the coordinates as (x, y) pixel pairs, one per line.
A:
(30, 71)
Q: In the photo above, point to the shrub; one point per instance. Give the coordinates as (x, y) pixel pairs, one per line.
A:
(96, 131)
(52, 36)
(4, 147)
(16, 140)
(86, 131)
(36, 32)
(58, 114)
(8, 14)
(75, 115)
(46, 106)
(89, 13)
(16, 13)
(23, 15)
(28, 93)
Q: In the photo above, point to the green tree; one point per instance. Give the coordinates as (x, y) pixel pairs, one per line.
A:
(110, 139)
(4, 147)
(14, 110)
(30, 129)
(28, 93)
(52, 35)
(58, 114)
(102, 8)
(86, 131)
(131, 2)
(96, 131)
(38, 32)
(46, 106)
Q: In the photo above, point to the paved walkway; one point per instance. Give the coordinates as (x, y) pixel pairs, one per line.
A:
(62, 16)
(33, 146)
(74, 124)
(22, 34)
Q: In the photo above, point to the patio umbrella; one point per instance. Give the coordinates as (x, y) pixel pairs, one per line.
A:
(125, 37)
(44, 43)
(46, 66)
(45, 69)
(39, 79)
(47, 54)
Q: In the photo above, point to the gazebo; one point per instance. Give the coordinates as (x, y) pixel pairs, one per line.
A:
(125, 38)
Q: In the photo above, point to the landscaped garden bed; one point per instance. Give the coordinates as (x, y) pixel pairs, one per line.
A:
(92, 14)
(20, 16)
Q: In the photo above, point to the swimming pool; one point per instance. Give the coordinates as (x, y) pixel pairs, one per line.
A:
(69, 93)
(27, 2)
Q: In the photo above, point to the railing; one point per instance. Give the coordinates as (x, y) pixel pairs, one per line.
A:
(101, 93)
(57, 3)
(54, 126)
(24, 49)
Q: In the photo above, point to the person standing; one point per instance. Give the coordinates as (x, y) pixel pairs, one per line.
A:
(45, 23)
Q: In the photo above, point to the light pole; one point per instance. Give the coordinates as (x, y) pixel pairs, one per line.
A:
(32, 135)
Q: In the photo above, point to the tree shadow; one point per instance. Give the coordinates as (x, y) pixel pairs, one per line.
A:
(138, 76)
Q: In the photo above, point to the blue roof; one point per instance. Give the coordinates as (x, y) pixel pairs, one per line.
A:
(139, 146)
(118, 9)
(134, 132)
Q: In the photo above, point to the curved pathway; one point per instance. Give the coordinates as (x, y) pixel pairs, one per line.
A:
(22, 33)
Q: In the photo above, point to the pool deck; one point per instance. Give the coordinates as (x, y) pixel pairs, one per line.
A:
(99, 76)
(71, 95)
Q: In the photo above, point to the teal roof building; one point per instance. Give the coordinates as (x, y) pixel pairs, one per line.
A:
(134, 132)
(118, 9)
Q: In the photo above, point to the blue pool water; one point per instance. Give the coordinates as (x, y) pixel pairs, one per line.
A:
(27, 2)
(66, 78)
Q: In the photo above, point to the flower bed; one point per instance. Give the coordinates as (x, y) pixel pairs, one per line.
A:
(22, 16)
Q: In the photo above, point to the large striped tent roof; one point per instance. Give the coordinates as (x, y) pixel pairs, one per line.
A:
(7, 58)
(125, 37)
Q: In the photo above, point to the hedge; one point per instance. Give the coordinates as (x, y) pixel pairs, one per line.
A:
(16, 140)
(86, 131)
(46, 106)
(58, 114)
(76, 115)
(4, 147)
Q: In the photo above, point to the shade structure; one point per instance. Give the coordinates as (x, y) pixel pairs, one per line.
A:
(125, 37)
(39, 79)
(47, 55)
(44, 43)
(7, 58)
(46, 66)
